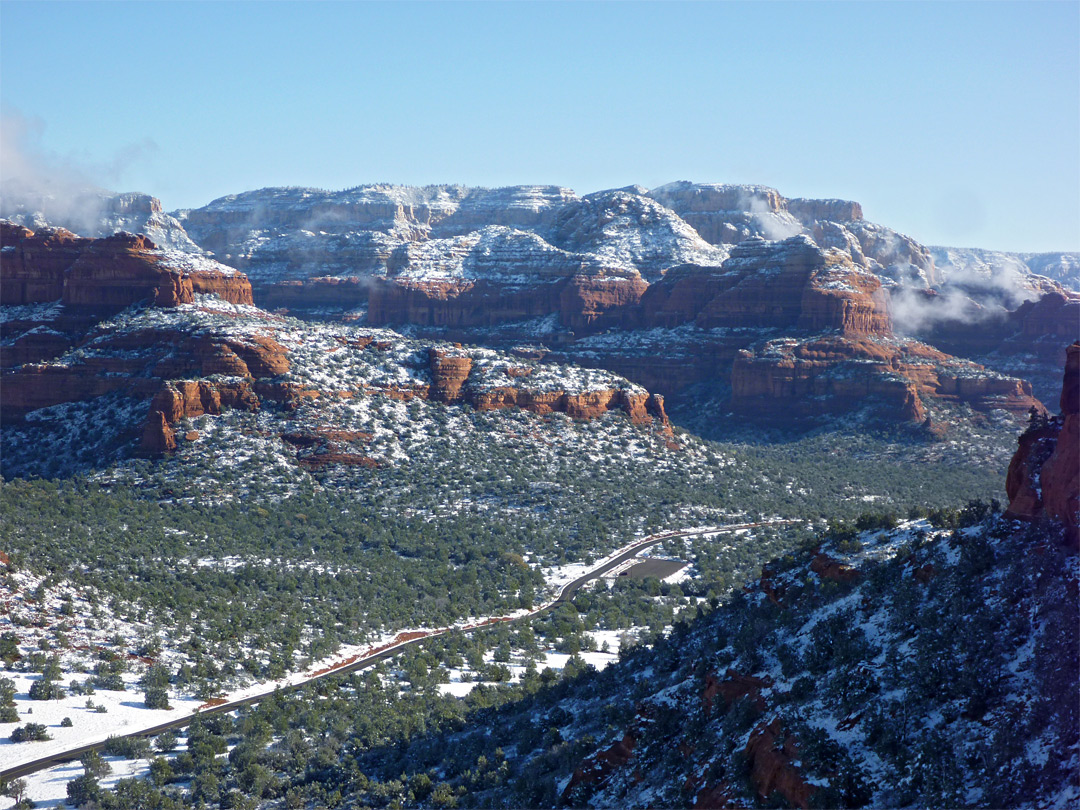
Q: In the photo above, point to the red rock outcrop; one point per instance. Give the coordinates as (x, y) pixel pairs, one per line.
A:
(680, 295)
(735, 685)
(34, 346)
(318, 461)
(448, 374)
(791, 285)
(787, 378)
(1034, 328)
(179, 399)
(583, 303)
(772, 755)
(38, 385)
(844, 357)
(589, 303)
(158, 436)
(320, 435)
(827, 568)
(231, 287)
(313, 293)
(456, 303)
(117, 271)
(120, 363)
(106, 274)
(450, 371)
(206, 354)
(33, 265)
(599, 767)
(795, 285)
(841, 297)
(642, 409)
(1044, 475)
(716, 797)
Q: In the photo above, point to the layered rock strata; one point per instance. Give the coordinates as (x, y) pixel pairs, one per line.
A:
(787, 379)
(106, 275)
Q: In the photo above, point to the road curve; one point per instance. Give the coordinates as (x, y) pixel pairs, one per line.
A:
(565, 596)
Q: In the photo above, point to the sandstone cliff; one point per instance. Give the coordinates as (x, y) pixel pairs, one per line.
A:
(540, 262)
(136, 361)
(787, 379)
(33, 266)
(790, 284)
(1035, 327)
(106, 275)
(1044, 476)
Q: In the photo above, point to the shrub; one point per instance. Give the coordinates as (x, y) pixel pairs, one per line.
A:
(83, 790)
(127, 747)
(165, 741)
(31, 732)
(157, 698)
(46, 689)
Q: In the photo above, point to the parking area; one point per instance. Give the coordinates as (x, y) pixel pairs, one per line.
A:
(652, 567)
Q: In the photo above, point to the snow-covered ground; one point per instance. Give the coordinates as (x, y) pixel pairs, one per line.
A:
(48, 789)
(463, 680)
(125, 712)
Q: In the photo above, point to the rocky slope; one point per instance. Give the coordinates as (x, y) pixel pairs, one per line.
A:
(930, 663)
(813, 708)
(808, 714)
(853, 694)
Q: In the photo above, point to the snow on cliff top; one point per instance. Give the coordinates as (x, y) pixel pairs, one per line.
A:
(447, 197)
(192, 263)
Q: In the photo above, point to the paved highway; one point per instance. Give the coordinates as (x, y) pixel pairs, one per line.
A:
(565, 595)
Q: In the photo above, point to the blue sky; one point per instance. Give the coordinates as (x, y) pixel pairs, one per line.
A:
(957, 123)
